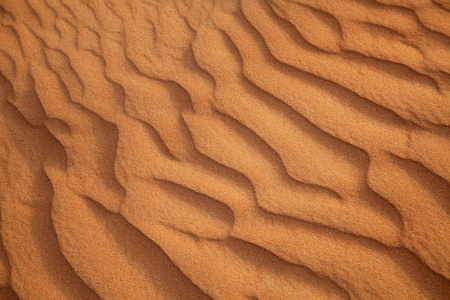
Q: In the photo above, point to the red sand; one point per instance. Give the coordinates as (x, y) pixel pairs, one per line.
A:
(279, 149)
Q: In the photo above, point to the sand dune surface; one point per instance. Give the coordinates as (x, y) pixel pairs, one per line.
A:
(225, 149)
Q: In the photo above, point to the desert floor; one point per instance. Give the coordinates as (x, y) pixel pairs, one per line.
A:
(200, 149)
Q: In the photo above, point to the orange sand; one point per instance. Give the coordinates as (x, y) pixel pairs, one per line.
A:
(261, 149)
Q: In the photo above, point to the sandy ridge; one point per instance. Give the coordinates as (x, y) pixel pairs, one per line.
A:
(225, 149)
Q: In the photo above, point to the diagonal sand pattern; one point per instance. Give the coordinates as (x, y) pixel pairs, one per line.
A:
(253, 149)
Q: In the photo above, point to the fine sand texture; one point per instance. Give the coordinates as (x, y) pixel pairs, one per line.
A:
(222, 149)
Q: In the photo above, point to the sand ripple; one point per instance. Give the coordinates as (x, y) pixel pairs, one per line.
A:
(279, 149)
